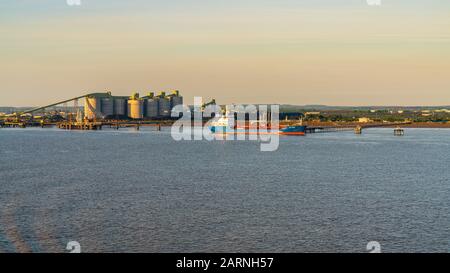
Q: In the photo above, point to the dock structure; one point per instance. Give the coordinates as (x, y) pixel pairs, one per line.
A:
(399, 132)
(14, 124)
(68, 125)
(19, 124)
(87, 125)
(326, 129)
(356, 128)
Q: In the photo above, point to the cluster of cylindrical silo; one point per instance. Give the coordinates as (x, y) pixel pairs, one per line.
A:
(161, 106)
(103, 107)
(134, 107)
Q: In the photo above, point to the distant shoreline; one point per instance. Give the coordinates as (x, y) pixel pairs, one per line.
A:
(412, 125)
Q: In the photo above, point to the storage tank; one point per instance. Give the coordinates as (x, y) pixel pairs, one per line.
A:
(120, 107)
(152, 107)
(176, 100)
(107, 108)
(92, 107)
(136, 108)
(164, 107)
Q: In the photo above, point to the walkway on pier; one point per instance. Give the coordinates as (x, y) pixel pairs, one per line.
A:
(331, 129)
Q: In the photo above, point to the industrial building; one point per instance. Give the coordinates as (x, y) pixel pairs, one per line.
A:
(107, 106)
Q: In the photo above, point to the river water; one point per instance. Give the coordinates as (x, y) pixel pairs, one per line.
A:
(141, 191)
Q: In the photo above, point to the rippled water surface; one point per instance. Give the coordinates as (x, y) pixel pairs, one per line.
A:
(144, 192)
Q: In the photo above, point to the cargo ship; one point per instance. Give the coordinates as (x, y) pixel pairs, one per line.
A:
(295, 130)
(226, 125)
(223, 125)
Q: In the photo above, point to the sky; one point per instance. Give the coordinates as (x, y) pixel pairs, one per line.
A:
(330, 52)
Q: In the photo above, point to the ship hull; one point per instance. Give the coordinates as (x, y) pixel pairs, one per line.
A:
(293, 131)
(288, 131)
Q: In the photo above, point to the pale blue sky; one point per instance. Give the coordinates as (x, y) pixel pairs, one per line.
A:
(258, 51)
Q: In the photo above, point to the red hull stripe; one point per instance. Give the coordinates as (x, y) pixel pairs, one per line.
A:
(293, 133)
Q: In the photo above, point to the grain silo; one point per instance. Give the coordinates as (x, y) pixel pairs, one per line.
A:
(92, 107)
(152, 106)
(107, 107)
(120, 107)
(176, 99)
(135, 107)
(164, 105)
